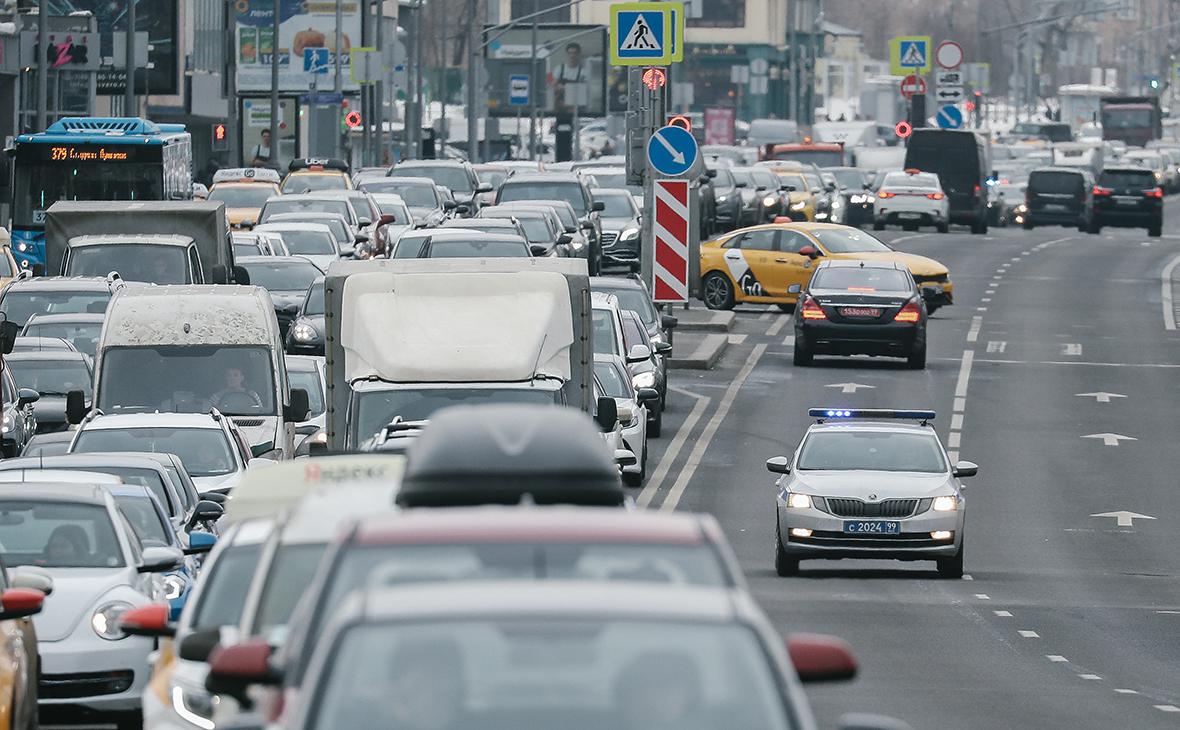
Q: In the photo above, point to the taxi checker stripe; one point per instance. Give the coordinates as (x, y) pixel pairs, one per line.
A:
(671, 241)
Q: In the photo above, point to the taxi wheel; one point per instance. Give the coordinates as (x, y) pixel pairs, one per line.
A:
(784, 564)
(717, 291)
(951, 567)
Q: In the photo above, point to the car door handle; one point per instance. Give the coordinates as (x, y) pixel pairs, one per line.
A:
(782, 261)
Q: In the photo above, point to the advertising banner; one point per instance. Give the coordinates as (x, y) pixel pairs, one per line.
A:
(303, 24)
(571, 61)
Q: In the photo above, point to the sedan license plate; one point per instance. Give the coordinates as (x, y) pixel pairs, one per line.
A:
(872, 527)
(909, 216)
(860, 312)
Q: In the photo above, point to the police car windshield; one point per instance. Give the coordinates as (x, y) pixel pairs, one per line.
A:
(242, 196)
(847, 240)
(871, 451)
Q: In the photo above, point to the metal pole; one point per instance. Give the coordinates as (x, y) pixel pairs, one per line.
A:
(533, 88)
(336, 134)
(472, 80)
(379, 87)
(418, 115)
(129, 93)
(792, 16)
(367, 130)
(229, 57)
(442, 81)
(275, 145)
(42, 66)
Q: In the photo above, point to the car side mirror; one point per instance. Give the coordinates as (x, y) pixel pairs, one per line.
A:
(206, 510)
(387, 219)
(663, 348)
(810, 252)
(450, 205)
(710, 174)
(789, 188)
(760, 189)
(9, 331)
(778, 465)
(217, 497)
(28, 576)
(830, 187)
(197, 646)
(668, 322)
(571, 229)
(625, 457)
(587, 225)
(20, 602)
(647, 395)
(965, 469)
(740, 184)
(232, 669)
(598, 206)
(564, 239)
(608, 414)
(76, 408)
(160, 559)
(638, 353)
(483, 188)
(819, 658)
(462, 208)
(241, 276)
(538, 249)
(360, 238)
(25, 396)
(300, 406)
(200, 543)
(150, 620)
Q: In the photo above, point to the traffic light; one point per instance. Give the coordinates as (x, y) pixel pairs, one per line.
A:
(681, 121)
(220, 137)
(352, 120)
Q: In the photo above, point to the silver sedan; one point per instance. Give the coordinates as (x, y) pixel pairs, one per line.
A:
(870, 484)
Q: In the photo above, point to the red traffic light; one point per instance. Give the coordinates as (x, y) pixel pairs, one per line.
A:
(352, 119)
(903, 129)
(970, 106)
(680, 121)
(655, 78)
(219, 132)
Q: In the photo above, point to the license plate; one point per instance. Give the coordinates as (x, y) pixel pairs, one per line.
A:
(872, 527)
(860, 312)
(909, 216)
(1127, 201)
(1055, 207)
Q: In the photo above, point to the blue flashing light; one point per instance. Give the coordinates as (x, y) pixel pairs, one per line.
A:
(873, 413)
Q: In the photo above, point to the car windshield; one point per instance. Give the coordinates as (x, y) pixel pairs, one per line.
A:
(847, 240)
(618, 206)
(224, 585)
(492, 177)
(401, 215)
(242, 196)
(247, 249)
(308, 243)
(236, 380)
(571, 192)
(849, 178)
(606, 337)
(862, 450)
(306, 183)
(314, 304)
(611, 380)
(204, 451)
(1056, 182)
(134, 262)
(151, 529)
(608, 673)
(536, 230)
(309, 380)
(82, 335)
(51, 377)
(609, 179)
(869, 279)
(51, 534)
(638, 301)
(375, 409)
(282, 276)
(453, 178)
(297, 204)
(291, 572)
(478, 249)
(904, 180)
(18, 305)
(415, 195)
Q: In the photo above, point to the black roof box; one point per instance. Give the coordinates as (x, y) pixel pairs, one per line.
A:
(506, 454)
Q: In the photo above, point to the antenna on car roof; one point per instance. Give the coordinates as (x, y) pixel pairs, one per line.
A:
(537, 363)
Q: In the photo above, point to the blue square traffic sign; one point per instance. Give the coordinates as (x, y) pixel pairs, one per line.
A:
(913, 54)
(641, 35)
(518, 90)
(316, 60)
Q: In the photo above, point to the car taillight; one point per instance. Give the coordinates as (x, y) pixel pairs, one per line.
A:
(886, 194)
(1102, 192)
(935, 196)
(1157, 193)
(977, 190)
(908, 313)
(812, 310)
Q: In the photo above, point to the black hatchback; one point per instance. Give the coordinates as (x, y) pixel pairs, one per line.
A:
(1059, 196)
(1128, 197)
(861, 308)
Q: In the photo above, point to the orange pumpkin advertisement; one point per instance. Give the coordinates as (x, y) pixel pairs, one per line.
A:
(303, 25)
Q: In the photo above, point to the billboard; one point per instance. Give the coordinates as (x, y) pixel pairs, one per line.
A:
(303, 24)
(571, 65)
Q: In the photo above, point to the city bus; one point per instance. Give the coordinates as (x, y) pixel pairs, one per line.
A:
(93, 158)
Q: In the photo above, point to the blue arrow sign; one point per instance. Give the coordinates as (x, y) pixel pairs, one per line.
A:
(315, 60)
(949, 117)
(672, 151)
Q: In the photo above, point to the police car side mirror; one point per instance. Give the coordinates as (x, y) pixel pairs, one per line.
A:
(778, 465)
(964, 469)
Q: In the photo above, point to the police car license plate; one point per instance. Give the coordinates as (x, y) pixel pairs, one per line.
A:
(860, 312)
(872, 527)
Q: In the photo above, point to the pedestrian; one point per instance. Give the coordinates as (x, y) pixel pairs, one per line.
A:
(261, 154)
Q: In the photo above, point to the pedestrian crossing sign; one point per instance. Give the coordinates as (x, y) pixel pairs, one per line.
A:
(909, 55)
(646, 33)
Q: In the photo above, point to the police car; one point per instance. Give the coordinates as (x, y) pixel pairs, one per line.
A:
(244, 190)
(870, 483)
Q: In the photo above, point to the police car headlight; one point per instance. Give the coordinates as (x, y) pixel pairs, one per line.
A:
(303, 333)
(769, 200)
(105, 620)
(944, 504)
(644, 380)
(798, 501)
(629, 234)
(799, 206)
(174, 586)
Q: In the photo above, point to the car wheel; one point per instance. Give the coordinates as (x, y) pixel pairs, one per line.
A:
(788, 308)
(978, 227)
(931, 308)
(917, 360)
(784, 564)
(878, 226)
(802, 356)
(656, 425)
(717, 291)
(951, 567)
(1155, 231)
(1095, 228)
(944, 227)
(1027, 225)
(634, 479)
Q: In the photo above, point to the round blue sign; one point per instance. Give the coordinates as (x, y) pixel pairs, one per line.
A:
(949, 117)
(672, 151)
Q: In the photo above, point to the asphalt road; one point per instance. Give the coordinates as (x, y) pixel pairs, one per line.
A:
(1065, 619)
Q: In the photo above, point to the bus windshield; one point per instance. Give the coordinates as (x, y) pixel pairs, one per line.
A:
(40, 185)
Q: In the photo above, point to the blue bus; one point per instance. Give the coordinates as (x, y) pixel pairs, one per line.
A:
(93, 158)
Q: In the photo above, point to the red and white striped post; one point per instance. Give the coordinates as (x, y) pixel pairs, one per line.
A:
(672, 225)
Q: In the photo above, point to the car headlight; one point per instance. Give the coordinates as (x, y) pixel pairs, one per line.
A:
(722, 198)
(7, 425)
(105, 620)
(303, 333)
(945, 504)
(799, 206)
(195, 705)
(174, 585)
(837, 204)
(769, 200)
(629, 234)
(798, 501)
(644, 380)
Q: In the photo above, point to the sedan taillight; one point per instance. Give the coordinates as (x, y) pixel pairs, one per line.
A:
(1100, 192)
(935, 196)
(909, 313)
(886, 194)
(812, 310)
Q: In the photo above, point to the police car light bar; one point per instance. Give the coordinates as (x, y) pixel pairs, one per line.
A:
(874, 413)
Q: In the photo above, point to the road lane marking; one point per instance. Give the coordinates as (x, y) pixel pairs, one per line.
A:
(1100, 397)
(960, 405)
(997, 346)
(710, 430)
(985, 299)
(909, 238)
(1003, 614)
(1056, 658)
(957, 422)
(1124, 518)
(1072, 348)
(674, 447)
(789, 340)
(1127, 691)
(1014, 258)
(983, 596)
(1110, 439)
(964, 373)
(1167, 708)
(737, 339)
(1029, 634)
(973, 333)
(850, 387)
(1166, 294)
(778, 325)
(1089, 676)
(765, 316)
(989, 292)
(981, 309)
(954, 440)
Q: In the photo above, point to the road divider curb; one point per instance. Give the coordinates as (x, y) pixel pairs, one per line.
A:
(705, 356)
(704, 321)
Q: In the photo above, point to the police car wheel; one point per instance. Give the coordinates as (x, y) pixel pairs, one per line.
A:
(784, 564)
(951, 567)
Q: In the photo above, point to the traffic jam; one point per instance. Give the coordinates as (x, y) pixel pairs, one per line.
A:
(444, 444)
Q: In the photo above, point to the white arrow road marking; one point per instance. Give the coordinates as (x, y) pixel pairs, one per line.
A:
(1100, 397)
(996, 346)
(1110, 439)
(1125, 518)
(1072, 348)
(850, 387)
(677, 155)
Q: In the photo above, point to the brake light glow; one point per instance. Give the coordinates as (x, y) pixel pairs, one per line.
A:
(1156, 193)
(812, 310)
(908, 313)
(912, 171)
(977, 190)
(886, 194)
(935, 196)
(1102, 192)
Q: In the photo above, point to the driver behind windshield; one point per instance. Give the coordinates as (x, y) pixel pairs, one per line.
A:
(235, 393)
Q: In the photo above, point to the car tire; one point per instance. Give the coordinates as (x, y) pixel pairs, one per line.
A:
(656, 425)
(717, 291)
(932, 308)
(978, 227)
(944, 227)
(1027, 225)
(917, 359)
(1155, 231)
(802, 357)
(787, 308)
(951, 567)
(878, 226)
(633, 479)
(1095, 228)
(784, 564)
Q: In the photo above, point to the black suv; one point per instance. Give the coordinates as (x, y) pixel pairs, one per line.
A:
(1059, 196)
(1128, 197)
(569, 187)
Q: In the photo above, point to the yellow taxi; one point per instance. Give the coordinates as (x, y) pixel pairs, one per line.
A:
(244, 191)
(771, 264)
(316, 173)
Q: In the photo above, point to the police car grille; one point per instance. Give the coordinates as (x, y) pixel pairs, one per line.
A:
(856, 508)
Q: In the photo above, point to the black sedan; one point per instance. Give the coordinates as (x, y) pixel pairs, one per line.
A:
(853, 204)
(861, 308)
(306, 334)
(286, 278)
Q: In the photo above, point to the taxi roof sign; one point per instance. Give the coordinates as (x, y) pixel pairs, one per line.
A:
(317, 163)
(246, 174)
(646, 33)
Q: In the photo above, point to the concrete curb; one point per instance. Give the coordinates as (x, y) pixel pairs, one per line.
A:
(706, 321)
(705, 356)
